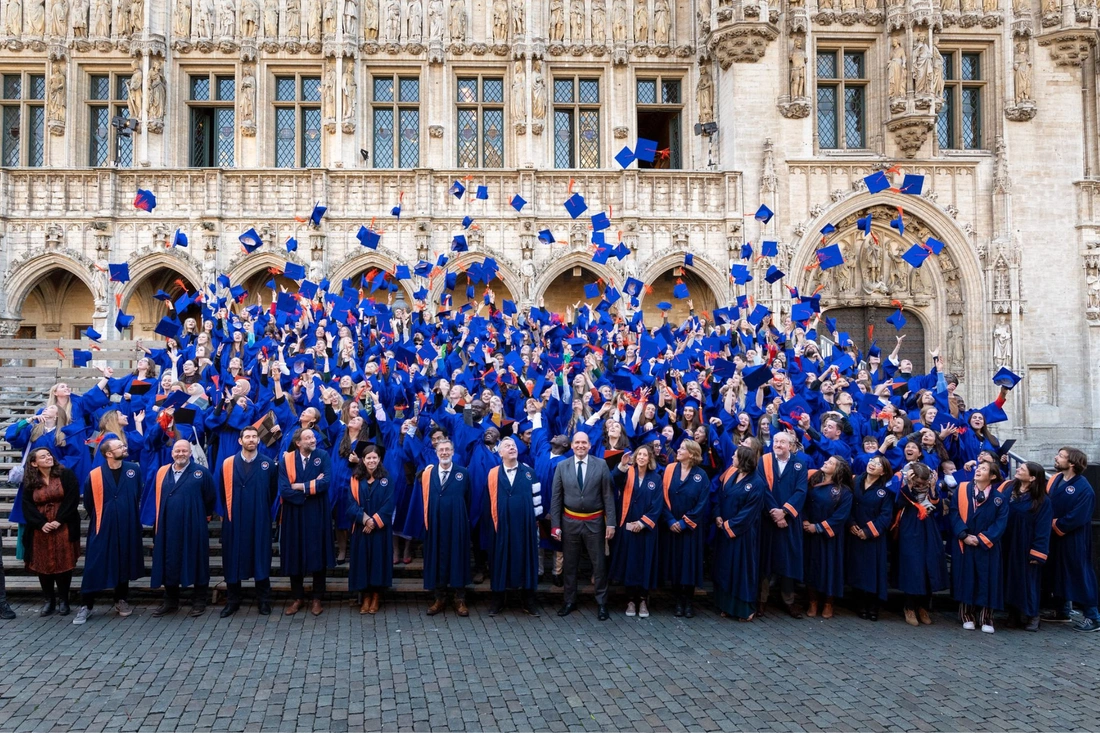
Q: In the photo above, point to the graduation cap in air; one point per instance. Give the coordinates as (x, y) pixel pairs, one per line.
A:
(912, 184)
(746, 251)
(774, 274)
(457, 189)
(592, 290)
(286, 303)
(81, 357)
(916, 255)
(830, 256)
(123, 321)
(898, 223)
(401, 272)
(518, 202)
(423, 268)
(633, 287)
(801, 312)
(601, 222)
(740, 273)
(239, 293)
(317, 214)
(467, 221)
(625, 157)
(483, 193)
(308, 289)
(680, 291)
(183, 302)
(179, 239)
(367, 237)
(756, 377)
(621, 251)
(168, 327)
(294, 271)
(877, 181)
(759, 313)
(250, 240)
(175, 399)
(450, 280)
(935, 245)
(458, 243)
(897, 319)
(645, 150)
(145, 200)
(689, 260)
(224, 280)
(291, 244)
(575, 205)
(1006, 378)
(546, 236)
(664, 305)
(864, 224)
(119, 273)
(827, 230)
(93, 334)
(764, 214)
(769, 248)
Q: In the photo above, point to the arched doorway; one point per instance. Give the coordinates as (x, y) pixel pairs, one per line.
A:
(499, 288)
(141, 301)
(662, 287)
(59, 306)
(855, 321)
(259, 290)
(568, 287)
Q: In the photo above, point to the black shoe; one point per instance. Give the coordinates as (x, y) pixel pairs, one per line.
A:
(166, 608)
(567, 609)
(794, 611)
(864, 613)
(872, 615)
(689, 610)
(198, 608)
(603, 615)
(679, 612)
(1032, 624)
(265, 608)
(559, 581)
(63, 607)
(530, 609)
(48, 608)
(6, 611)
(230, 608)
(496, 608)
(1055, 617)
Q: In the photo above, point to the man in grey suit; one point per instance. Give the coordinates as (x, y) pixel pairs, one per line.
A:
(582, 515)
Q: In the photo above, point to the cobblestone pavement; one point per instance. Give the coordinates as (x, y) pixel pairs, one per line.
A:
(403, 670)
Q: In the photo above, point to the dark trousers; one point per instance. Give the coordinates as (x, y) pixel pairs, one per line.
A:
(121, 592)
(3, 582)
(298, 586)
(786, 588)
(441, 593)
(912, 602)
(575, 537)
(61, 581)
(263, 591)
(636, 594)
(198, 595)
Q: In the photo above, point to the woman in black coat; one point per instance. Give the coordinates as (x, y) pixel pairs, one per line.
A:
(51, 497)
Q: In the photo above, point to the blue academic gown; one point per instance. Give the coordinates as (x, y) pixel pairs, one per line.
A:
(634, 554)
(921, 566)
(305, 540)
(370, 557)
(781, 549)
(1070, 570)
(865, 561)
(181, 546)
(737, 541)
(447, 527)
(114, 552)
(829, 507)
(247, 491)
(976, 570)
(1026, 545)
(687, 503)
(512, 511)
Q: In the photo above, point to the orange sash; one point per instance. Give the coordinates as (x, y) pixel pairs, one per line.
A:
(96, 480)
(628, 492)
(494, 475)
(227, 484)
(769, 471)
(426, 488)
(161, 473)
(291, 467)
(670, 470)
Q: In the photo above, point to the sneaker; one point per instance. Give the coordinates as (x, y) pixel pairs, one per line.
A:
(123, 608)
(82, 616)
(1088, 624)
(643, 610)
(987, 628)
(630, 610)
(968, 625)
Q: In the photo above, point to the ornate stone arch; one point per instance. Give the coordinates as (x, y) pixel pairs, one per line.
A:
(146, 261)
(24, 274)
(363, 259)
(668, 258)
(246, 267)
(506, 271)
(560, 263)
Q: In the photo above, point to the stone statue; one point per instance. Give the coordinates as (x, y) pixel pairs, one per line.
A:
(1092, 296)
(1052, 7)
(134, 92)
(328, 17)
(247, 96)
(348, 92)
(519, 11)
(519, 93)
(55, 94)
(59, 18)
(529, 273)
(435, 20)
(393, 21)
(271, 19)
(923, 66)
(34, 17)
(204, 19)
(538, 92)
(100, 283)
(1002, 344)
(370, 20)
(1020, 7)
(798, 69)
(312, 12)
(158, 91)
(703, 11)
(250, 18)
(350, 27)
(500, 20)
(662, 22)
(844, 275)
(293, 20)
(920, 282)
(101, 19)
(80, 18)
(641, 21)
(990, 6)
(970, 6)
(954, 340)
(328, 92)
(181, 23)
(137, 17)
(898, 268)
(458, 21)
(871, 264)
(227, 18)
(937, 73)
(13, 17)
(822, 4)
(576, 21)
(618, 21)
(599, 22)
(416, 21)
(1021, 72)
(704, 93)
(557, 21)
(896, 75)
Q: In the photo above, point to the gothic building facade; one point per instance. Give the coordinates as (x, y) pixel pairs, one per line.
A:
(245, 113)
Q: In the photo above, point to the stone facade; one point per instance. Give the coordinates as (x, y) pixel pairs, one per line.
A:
(107, 103)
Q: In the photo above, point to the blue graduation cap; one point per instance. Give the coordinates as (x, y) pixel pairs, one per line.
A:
(316, 215)
(759, 313)
(764, 214)
(123, 321)
(81, 357)
(746, 251)
(689, 260)
(633, 287)
(239, 293)
(145, 200)
(916, 255)
(774, 274)
(168, 327)
(396, 211)
(575, 205)
(270, 285)
(182, 303)
(467, 221)
(769, 248)
(897, 319)
(830, 256)
(912, 184)
(308, 289)
(423, 268)
(756, 377)
(664, 305)
(294, 271)
(827, 230)
(421, 293)
(179, 239)
(600, 222)
(368, 237)
(93, 334)
(801, 312)
(224, 280)
(621, 251)
(119, 273)
(599, 239)
(450, 280)
(1006, 378)
(458, 243)
(935, 245)
(645, 150)
(286, 303)
(458, 189)
(291, 244)
(680, 291)
(401, 272)
(625, 157)
(546, 236)
(509, 308)
(483, 193)
(611, 295)
(250, 240)
(898, 223)
(518, 202)
(592, 290)
(877, 181)
(864, 224)
(740, 273)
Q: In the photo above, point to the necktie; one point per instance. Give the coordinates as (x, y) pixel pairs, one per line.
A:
(443, 477)
(580, 475)
(981, 497)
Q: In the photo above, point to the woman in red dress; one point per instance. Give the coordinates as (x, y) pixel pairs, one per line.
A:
(51, 496)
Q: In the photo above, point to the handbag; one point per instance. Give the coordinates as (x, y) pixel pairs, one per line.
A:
(16, 474)
(198, 453)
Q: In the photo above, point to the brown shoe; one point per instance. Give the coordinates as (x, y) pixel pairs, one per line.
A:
(294, 608)
(924, 616)
(375, 603)
(436, 607)
(315, 608)
(365, 608)
(827, 612)
(811, 609)
(460, 606)
(911, 617)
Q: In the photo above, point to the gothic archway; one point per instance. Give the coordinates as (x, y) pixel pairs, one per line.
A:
(564, 277)
(661, 287)
(24, 275)
(139, 299)
(59, 306)
(506, 284)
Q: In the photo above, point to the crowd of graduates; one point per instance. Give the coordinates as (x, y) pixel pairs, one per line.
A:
(351, 428)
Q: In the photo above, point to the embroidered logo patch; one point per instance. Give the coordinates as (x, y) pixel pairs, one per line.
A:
(316, 461)
(385, 482)
(131, 473)
(458, 476)
(798, 466)
(265, 465)
(881, 493)
(197, 474)
(527, 475)
(698, 478)
(998, 501)
(1070, 489)
(651, 486)
(748, 488)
